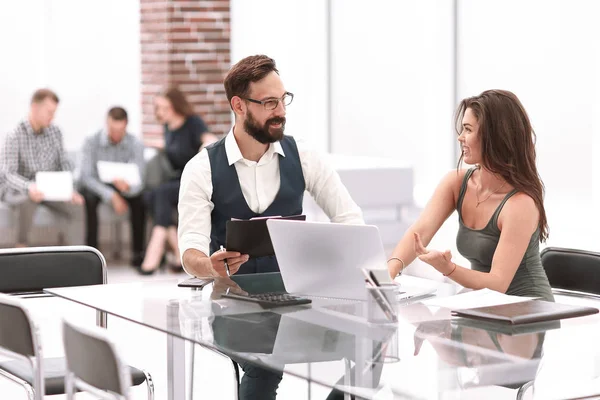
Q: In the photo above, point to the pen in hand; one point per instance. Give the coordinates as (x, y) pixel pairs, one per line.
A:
(225, 262)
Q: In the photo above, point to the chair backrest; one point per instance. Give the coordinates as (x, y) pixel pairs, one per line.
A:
(36, 268)
(571, 269)
(93, 360)
(19, 337)
(17, 331)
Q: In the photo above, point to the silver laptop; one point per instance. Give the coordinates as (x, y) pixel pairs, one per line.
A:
(324, 259)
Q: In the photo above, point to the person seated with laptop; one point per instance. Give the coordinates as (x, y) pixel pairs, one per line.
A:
(36, 145)
(255, 171)
(499, 202)
(114, 144)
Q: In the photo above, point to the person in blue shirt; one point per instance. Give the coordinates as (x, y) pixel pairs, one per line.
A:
(114, 144)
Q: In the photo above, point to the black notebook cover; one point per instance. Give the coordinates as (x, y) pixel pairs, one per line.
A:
(506, 329)
(252, 236)
(526, 312)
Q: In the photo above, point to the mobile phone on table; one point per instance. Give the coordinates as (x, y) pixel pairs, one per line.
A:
(197, 283)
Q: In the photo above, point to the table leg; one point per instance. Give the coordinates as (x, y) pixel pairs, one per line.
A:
(175, 356)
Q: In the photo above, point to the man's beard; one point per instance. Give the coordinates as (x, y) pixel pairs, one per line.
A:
(261, 133)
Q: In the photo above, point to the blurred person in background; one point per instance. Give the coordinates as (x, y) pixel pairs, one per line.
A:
(185, 133)
(36, 145)
(113, 143)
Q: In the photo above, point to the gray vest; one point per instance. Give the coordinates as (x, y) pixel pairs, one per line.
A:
(229, 202)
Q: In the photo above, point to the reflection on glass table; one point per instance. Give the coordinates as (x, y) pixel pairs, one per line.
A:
(329, 343)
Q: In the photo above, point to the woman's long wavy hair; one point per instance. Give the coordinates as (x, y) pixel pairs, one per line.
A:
(507, 144)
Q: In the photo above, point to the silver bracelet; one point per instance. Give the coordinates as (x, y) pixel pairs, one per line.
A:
(399, 259)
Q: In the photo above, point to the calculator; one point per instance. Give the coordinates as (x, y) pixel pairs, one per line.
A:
(270, 300)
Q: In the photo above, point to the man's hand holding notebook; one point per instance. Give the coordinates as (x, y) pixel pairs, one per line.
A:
(55, 185)
(252, 236)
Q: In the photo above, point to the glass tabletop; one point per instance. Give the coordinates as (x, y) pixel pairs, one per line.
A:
(426, 354)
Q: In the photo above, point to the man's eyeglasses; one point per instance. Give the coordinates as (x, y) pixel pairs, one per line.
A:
(271, 104)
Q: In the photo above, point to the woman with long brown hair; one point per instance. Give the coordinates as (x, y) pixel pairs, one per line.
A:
(185, 133)
(499, 203)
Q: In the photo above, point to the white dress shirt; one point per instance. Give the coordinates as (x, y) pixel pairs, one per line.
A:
(260, 184)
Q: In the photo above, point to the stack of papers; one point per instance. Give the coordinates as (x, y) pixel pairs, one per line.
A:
(474, 299)
(55, 185)
(109, 171)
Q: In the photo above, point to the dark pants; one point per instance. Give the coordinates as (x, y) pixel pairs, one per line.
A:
(137, 217)
(162, 202)
(258, 383)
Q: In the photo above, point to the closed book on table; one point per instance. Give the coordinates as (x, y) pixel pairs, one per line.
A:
(526, 312)
(506, 329)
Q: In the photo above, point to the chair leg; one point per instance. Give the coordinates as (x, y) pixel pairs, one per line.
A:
(116, 228)
(39, 382)
(69, 390)
(236, 370)
(347, 377)
(25, 385)
(30, 393)
(523, 390)
(149, 384)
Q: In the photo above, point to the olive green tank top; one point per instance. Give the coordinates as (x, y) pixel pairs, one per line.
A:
(478, 246)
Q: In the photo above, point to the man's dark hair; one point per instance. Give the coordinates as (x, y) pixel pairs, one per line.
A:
(250, 69)
(42, 94)
(118, 114)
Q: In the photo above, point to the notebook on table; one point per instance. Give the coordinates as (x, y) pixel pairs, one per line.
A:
(507, 329)
(526, 312)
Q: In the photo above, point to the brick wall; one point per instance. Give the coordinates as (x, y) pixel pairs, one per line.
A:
(186, 44)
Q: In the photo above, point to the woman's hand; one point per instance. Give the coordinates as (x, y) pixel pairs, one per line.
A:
(438, 260)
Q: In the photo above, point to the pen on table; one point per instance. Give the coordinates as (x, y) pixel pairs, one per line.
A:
(226, 264)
